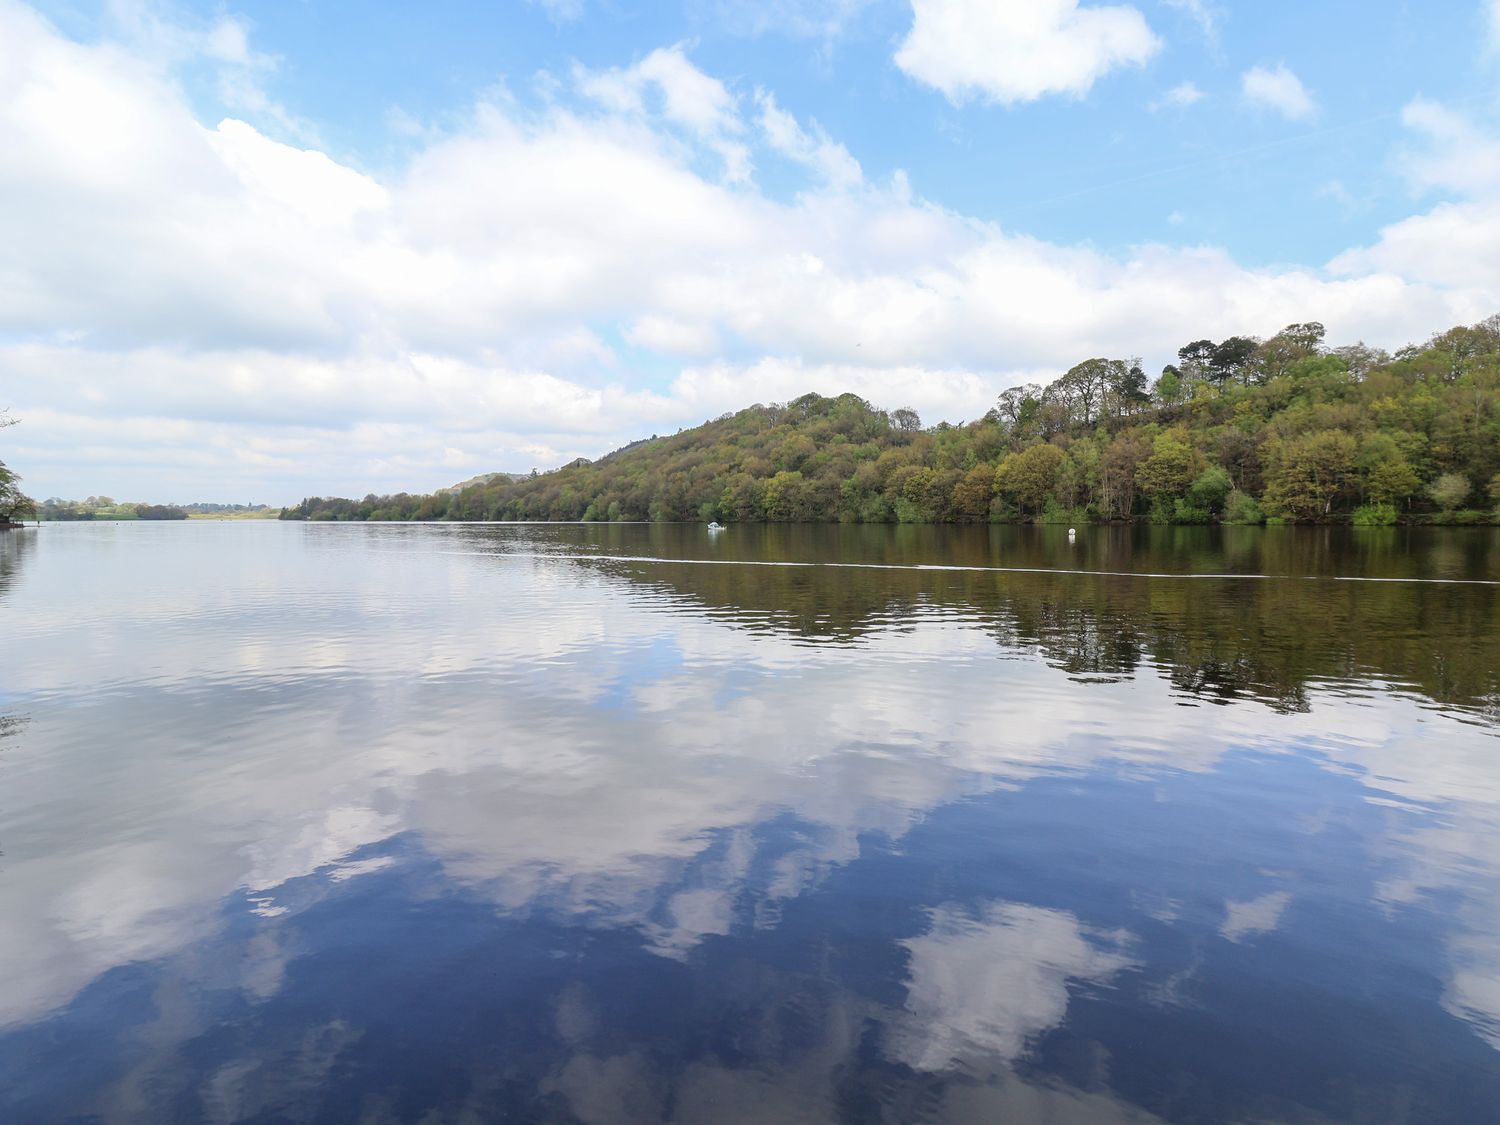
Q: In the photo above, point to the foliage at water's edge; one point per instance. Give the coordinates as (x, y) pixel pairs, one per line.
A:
(1239, 431)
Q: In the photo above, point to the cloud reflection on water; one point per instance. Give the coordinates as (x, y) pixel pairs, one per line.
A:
(980, 985)
(570, 747)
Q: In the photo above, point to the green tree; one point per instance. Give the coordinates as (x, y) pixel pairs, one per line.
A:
(910, 489)
(1017, 408)
(1307, 336)
(793, 453)
(1277, 356)
(1241, 508)
(783, 497)
(1169, 386)
(1117, 468)
(1197, 358)
(1449, 491)
(972, 494)
(1284, 438)
(1082, 389)
(1128, 388)
(1028, 477)
(1308, 473)
(1233, 358)
(1360, 360)
(1389, 476)
(1211, 488)
(1169, 470)
(13, 502)
(906, 419)
(1393, 481)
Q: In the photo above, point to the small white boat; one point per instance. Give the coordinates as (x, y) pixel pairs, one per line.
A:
(715, 525)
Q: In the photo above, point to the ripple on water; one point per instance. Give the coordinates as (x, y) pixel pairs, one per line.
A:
(544, 822)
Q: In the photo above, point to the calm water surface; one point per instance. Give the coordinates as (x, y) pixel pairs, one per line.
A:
(630, 823)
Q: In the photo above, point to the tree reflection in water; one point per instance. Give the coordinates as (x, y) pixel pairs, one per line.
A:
(393, 823)
(1247, 637)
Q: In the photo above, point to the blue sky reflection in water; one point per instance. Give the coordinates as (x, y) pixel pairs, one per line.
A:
(363, 822)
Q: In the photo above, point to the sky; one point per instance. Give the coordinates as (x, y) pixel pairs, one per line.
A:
(331, 248)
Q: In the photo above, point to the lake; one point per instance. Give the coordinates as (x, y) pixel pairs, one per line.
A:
(598, 823)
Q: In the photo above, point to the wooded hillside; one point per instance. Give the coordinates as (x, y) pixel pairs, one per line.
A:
(1240, 430)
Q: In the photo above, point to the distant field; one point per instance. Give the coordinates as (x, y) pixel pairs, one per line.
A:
(128, 514)
(268, 514)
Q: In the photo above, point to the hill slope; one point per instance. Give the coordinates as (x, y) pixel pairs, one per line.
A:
(1241, 430)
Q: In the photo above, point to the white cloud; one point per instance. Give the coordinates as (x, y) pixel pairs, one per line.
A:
(673, 337)
(1458, 155)
(1206, 16)
(598, 811)
(186, 302)
(980, 986)
(1455, 246)
(952, 394)
(1279, 90)
(691, 99)
(1180, 96)
(240, 71)
(829, 159)
(304, 182)
(1255, 916)
(1010, 51)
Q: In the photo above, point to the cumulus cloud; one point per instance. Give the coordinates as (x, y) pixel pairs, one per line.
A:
(186, 301)
(1455, 244)
(689, 98)
(240, 71)
(1456, 155)
(670, 336)
(1011, 51)
(1278, 90)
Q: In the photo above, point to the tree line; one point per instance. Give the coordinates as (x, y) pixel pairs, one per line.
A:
(1242, 430)
(105, 507)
